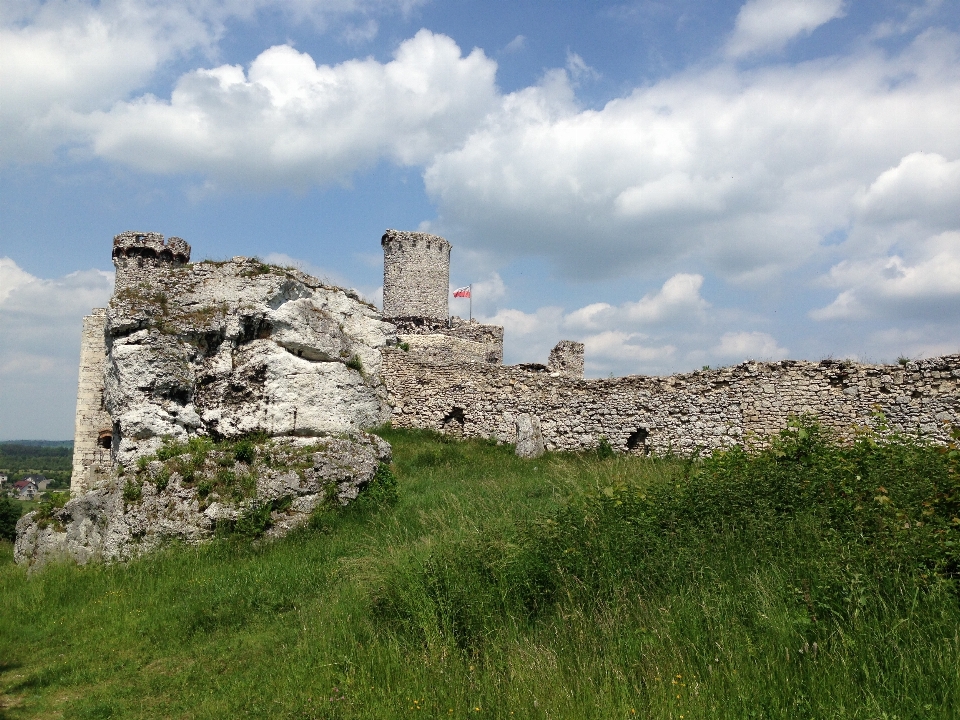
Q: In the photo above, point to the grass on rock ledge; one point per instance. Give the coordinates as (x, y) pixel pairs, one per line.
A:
(807, 581)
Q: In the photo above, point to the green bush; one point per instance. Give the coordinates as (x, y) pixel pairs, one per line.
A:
(604, 449)
(132, 491)
(245, 452)
(355, 363)
(890, 507)
(9, 514)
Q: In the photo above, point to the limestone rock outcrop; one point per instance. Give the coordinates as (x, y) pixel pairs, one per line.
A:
(529, 436)
(189, 496)
(226, 349)
(195, 358)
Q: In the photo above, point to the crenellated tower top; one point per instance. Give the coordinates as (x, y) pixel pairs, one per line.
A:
(138, 256)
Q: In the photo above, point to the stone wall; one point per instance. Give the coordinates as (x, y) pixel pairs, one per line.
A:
(453, 340)
(684, 414)
(140, 257)
(93, 426)
(416, 275)
(566, 358)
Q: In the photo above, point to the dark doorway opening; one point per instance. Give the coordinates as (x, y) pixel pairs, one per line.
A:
(638, 441)
(454, 421)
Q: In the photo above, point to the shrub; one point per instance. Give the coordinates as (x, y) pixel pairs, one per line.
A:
(245, 452)
(163, 479)
(355, 363)
(132, 491)
(9, 514)
(604, 450)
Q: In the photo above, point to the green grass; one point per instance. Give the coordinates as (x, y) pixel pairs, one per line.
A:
(807, 582)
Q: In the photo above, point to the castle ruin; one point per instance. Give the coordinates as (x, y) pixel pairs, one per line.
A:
(226, 350)
(446, 374)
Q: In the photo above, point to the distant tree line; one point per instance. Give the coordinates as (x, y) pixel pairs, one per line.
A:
(51, 459)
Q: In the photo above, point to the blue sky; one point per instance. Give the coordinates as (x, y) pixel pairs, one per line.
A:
(676, 184)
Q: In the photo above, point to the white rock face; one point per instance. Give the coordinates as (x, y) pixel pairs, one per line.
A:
(219, 351)
(529, 437)
(226, 349)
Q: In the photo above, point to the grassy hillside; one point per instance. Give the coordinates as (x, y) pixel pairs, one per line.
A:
(806, 582)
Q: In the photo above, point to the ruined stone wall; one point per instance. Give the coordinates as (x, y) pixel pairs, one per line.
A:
(416, 275)
(141, 257)
(566, 358)
(453, 340)
(700, 411)
(92, 426)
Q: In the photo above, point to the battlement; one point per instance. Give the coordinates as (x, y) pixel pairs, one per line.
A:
(416, 275)
(395, 240)
(151, 245)
(138, 256)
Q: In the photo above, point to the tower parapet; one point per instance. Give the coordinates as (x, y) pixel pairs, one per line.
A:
(138, 255)
(416, 275)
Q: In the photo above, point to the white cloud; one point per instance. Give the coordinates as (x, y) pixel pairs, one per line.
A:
(740, 346)
(516, 45)
(923, 186)
(487, 295)
(894, 287)
(673, 328)
(766, 25)
(615, 347)
(63, 57)
(746, 170)
(578, 68)
(40, 323)
(678, 300)
(288, 121)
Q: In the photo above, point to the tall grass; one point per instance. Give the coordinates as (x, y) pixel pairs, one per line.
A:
(807, 581)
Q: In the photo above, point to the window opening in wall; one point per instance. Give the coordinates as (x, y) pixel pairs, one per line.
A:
(105, 439)
(638, 441)
(454, 421)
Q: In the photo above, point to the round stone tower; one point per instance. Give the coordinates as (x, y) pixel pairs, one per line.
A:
(416, 275)
(138, 256)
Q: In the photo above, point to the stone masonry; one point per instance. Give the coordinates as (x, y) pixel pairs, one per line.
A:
(416, 275)
(229, 349)
(93, 427)
(566, 358)
(141, 257)
(683, 414)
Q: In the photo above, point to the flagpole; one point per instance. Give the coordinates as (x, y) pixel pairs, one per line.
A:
(471, 302)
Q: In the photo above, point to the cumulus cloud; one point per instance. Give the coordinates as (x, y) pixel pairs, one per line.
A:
(923, 186)
(673, 328)
(62, 57)
(40, 323)
(768, 25)
(745, 170)
(678, 300)
(288, 121)
(895, 287)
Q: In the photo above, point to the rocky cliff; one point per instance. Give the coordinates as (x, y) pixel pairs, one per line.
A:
(201, 356)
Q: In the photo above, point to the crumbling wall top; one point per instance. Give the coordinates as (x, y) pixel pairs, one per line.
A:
(134, 243)
(566, 358)
(397, 238)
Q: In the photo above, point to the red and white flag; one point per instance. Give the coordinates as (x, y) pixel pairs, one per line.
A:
(462, 292)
